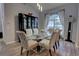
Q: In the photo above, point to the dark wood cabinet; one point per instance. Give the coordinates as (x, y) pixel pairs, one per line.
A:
(27, 22)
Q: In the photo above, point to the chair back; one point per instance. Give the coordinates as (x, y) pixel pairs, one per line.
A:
(35, 31)
(53, 39)
(58, 35)
(22, 37)
(29, 32)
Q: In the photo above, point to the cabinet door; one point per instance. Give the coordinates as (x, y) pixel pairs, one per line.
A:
(21, 22)
(36, 22)
(33, 22)
(25, 22)
(29, 22)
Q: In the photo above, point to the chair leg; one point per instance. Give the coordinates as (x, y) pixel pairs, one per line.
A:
(27, 52)
(21, 50)
(56, 45)
(50, 52)
(54, 48)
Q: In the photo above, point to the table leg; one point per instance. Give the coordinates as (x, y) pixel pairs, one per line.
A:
(38, 48)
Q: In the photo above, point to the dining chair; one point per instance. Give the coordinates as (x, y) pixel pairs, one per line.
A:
(35, 31)
(25, 43)
(50, 44)
(58, 37)
(29, 32)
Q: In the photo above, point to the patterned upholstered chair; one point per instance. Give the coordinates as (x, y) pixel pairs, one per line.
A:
(50, 44)
(29, 32)
(25, 43)
(35, 31)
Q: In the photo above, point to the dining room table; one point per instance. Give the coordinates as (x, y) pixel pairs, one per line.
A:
(39, 37)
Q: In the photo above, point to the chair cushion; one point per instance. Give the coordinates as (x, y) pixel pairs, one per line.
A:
(32, 43)
(45, 43)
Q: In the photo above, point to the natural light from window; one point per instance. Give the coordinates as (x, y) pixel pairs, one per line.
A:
(54, 22)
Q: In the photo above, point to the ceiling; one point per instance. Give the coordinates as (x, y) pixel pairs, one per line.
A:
(46, 6)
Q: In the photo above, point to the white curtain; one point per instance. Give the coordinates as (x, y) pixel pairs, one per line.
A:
(61, 16)
(46, 22)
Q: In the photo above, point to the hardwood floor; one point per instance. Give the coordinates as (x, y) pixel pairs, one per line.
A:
(65, 49)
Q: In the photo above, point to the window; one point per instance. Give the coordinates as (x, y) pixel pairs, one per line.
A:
(54, 22)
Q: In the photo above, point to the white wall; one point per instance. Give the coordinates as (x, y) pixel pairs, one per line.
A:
(0, 17)
(77, 32)
(70, 9)
(41, 20)
(0, 21)
(10, 24)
